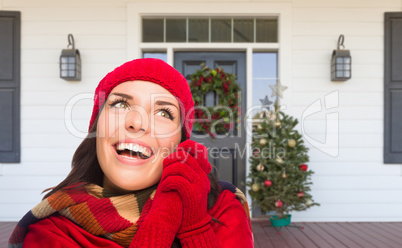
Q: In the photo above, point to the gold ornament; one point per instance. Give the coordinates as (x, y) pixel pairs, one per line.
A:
(259, 127)
(309, 202)
(255, 187)
(292, 143)
(263, 142)
(278, 123)
(279, 160)
(260, 167)
(284, 175)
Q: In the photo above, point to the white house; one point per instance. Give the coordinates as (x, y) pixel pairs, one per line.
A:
(343, 123)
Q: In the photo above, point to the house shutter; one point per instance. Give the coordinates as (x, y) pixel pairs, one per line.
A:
(10, 28)
(393, 88)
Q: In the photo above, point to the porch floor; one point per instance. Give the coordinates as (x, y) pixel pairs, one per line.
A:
(314, 234)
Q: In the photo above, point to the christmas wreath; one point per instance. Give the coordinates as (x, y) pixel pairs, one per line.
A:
(217, 119)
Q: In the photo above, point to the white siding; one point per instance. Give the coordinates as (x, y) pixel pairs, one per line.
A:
(355, 185)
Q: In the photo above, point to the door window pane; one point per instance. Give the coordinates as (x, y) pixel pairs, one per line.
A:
(267, 30)
(175, 30)
(243, 30)
(221, 30)
(198, 30)
(152, 30)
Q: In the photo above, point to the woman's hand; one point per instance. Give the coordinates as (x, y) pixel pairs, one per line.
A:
(186, 172)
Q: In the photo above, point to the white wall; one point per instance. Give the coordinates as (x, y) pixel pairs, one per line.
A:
(356, 185)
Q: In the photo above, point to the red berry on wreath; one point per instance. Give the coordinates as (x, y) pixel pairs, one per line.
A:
(303, 167)
(267, 183)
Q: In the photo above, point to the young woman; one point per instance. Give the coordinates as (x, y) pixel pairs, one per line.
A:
(137, 180)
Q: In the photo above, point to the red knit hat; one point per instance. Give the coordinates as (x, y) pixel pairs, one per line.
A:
(153, 70)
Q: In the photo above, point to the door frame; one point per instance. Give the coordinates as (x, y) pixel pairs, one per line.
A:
(137, 10)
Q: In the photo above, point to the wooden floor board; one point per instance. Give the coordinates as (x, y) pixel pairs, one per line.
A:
(301, 236)
(357, 235)
(365, 234)
(388, 238)
(326, 235)
(315, 237)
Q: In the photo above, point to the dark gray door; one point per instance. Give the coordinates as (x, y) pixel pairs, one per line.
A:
(226, 153)
(393, 88)
(10, 23)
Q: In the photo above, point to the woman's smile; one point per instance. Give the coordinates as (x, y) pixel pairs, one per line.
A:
(132, 152)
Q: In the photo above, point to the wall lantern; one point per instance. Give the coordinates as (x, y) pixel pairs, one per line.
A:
(341, 62)
(70, 62)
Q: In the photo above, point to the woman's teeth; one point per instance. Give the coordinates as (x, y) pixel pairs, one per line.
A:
(134, 149)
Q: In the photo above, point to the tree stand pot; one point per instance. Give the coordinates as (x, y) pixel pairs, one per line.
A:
(285, 221)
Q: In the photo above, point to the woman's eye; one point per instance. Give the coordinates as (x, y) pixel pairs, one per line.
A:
(121, 105)
(165, 114)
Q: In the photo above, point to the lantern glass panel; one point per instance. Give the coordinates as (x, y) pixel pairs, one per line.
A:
(339, 74)
(347, 74)
(347, 60)
(64, 73)
(339, 60)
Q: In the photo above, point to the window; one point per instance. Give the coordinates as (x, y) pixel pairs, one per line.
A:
(210, 30)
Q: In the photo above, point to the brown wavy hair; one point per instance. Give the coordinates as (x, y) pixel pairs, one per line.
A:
(85, 168)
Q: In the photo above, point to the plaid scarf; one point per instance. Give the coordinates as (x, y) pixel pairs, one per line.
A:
(101, 212)
(96, 210)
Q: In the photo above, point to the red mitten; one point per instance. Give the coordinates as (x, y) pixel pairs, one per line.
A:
(159, 224)
(185, 171)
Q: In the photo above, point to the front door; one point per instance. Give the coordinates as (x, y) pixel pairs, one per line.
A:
(228, 154)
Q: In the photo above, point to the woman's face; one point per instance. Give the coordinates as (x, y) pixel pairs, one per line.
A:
(137, 128)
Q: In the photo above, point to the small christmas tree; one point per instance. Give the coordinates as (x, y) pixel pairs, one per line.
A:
(279, 174)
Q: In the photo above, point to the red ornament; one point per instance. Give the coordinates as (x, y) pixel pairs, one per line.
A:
(267, 183)
(300, 194)
(303, 167)
(278, 204)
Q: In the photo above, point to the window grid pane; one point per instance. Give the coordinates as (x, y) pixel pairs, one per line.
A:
(198, 30)
(243, 30)
(176, 30)
(152, 30)
(267, 30)
(221, 30)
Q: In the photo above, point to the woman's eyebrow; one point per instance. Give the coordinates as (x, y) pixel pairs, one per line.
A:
(122, 95)
(166, 103)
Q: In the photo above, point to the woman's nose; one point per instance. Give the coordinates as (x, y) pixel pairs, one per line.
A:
(137, 120)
